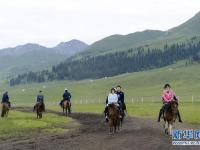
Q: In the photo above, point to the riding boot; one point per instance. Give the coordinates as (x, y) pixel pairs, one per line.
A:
(61, 103)
(9, 105)
(160, 114)
(179, 117)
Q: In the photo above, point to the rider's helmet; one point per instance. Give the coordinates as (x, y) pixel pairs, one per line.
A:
(40, 91)
(66, 89)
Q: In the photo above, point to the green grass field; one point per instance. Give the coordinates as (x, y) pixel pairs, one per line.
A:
(142, 95)
(20, 123)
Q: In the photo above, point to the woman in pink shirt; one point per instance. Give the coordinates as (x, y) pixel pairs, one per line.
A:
(168, 95)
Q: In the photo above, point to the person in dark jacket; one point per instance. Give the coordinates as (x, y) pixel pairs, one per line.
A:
(66, 97)
(40, 99)
(120, 95)
(5, 99)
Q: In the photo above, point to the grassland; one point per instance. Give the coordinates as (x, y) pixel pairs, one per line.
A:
(142, 89)
(20, 123)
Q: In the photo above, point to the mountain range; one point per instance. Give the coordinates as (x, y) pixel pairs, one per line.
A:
(34, 57)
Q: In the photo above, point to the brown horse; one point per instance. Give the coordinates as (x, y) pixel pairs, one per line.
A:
(170, 116)
(66, 108)
(39, 107)
(122, 114)
(114, 120)
(5, 110)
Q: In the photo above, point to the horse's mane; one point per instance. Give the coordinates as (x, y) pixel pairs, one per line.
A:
(174, 102)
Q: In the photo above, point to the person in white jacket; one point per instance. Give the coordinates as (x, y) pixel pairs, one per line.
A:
(111, 99)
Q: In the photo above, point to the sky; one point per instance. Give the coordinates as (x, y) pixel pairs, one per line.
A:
(49, 22)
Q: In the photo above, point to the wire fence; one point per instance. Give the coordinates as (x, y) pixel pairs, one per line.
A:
(128, 100)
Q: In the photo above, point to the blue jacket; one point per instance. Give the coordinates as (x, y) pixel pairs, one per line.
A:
(67, 96)
(40, 98)
(120, 97)
(5, 98)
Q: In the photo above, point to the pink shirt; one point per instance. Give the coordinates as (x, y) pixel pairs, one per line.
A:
(168, 95)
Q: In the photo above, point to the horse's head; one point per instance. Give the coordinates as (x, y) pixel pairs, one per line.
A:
(174, 107)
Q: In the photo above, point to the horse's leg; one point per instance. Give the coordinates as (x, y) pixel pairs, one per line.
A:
(115, 128)
(37, 114)
(170, 128)
(40, 115)
(66, 111)
(69, 110)
(7, 113)
(166, 127)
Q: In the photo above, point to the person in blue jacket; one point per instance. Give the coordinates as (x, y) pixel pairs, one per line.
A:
(5, 99)
(40, 99)
(66, 97)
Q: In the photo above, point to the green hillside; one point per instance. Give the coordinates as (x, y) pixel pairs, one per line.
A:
(122, 42)
(142, 91)
(184, 80)
(147, 38)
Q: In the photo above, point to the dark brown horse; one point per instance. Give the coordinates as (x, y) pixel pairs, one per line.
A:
(114, 120)
(122, 113)
(170, 116)
(66, 108)
(39, 107)
(5, 110)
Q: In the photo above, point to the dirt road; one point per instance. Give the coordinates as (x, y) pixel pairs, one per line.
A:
(92, 134)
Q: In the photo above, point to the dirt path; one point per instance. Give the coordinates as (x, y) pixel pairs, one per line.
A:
(137, 134)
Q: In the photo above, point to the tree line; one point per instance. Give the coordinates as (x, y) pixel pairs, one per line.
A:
(132, 60)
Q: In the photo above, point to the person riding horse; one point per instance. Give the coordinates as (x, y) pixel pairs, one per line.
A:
(121, 101)
(40, 100)
(5, 99)
(66, 97)
(167, 97)
(111, 99)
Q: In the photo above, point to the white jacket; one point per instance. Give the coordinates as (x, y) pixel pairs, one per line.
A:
(112, 98)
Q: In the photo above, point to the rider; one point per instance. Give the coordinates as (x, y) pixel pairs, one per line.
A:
(168, 96)
(66, 97)
(5, 99)
(40, 99)
(111, 99)
(120, 95)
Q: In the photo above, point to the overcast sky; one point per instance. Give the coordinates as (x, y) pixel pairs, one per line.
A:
(49, 22)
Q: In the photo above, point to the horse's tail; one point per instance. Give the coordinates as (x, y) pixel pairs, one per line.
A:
(2, 111)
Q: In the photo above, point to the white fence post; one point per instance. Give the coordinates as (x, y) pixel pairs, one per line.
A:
(132, 100)
(142, 100)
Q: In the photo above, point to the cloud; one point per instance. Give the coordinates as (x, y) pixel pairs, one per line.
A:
(50, 21)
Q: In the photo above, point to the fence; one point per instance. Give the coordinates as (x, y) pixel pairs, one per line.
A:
(128, 100)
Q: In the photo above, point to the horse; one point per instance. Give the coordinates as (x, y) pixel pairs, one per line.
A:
(39, 107)
(170, 116)
(113, 117)
(122, 114)
(5, 110)
(66, 108)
